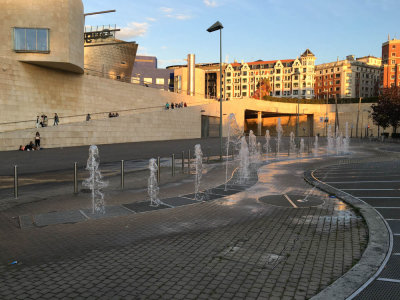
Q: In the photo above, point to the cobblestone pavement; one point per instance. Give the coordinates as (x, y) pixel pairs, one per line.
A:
(240, 246)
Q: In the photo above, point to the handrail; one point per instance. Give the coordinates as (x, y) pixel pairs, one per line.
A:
(99, 113)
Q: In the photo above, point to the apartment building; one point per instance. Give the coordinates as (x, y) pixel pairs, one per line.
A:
(391, 63)
(349, 78)
(292, 78)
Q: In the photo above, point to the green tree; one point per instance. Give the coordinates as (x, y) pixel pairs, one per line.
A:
(265, 88)
(387, 111)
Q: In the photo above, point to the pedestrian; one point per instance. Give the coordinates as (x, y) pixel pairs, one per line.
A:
(56, 120)
(37, 122)
(184, 104)
(45, 121)
(37, 140)
(167, 106)
(88, 117)
(172, 105)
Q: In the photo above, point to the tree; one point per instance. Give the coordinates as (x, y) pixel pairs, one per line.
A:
(387, 111)
(265, 88)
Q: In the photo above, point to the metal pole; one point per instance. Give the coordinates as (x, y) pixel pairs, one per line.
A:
(183, 161)
(158, 170)
(75, 178)
(189, 161)
(16, 182)
(220, 92)
(173, 164)
(122, 174)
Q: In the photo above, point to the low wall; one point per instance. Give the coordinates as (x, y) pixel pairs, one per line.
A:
(174, 124)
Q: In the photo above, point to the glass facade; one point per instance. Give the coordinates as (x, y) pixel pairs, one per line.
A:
(31, 40)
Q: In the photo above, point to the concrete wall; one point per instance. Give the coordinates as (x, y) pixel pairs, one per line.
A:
(347, 113)
(63, 18)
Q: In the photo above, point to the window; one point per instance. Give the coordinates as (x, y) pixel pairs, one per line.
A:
(135, 80)
(228, 74)
(337, 75)
(278, 78)
(278, 93)
(304, 70)
(303, 92)
(244, 94)
(338, 88)
(244, 87)
(244, 73)
(337, 82)
(159, 80)
(278, 71)
(295, 92)
(31, 40)
(393, 62)
(147, 80)
(393, 54)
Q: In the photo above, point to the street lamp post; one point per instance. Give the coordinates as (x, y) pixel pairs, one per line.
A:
(218, 26)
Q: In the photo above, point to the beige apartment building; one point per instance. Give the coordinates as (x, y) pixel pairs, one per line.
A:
(349, 78)
(292, 78)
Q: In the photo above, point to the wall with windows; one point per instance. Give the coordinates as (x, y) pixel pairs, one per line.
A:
(292, 78)
(146, 72)
(347, 78)
(391, 63)
(43, 33)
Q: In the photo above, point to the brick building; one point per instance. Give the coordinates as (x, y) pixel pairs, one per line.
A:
(391, 63)
(349, 78)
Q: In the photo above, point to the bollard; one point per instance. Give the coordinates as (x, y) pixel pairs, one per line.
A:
(122, 174)
(75, 179)
(158, 170)
(189, 161)
(16, 182)
(173, 164)
(183, 161)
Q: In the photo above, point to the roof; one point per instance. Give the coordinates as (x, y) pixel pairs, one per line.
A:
(307, 53)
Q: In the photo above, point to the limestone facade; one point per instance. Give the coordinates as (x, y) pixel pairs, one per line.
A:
(64, 20)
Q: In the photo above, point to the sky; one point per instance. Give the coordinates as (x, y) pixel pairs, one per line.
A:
(253, 29)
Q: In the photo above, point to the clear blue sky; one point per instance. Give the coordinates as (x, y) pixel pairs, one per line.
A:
(253, 29)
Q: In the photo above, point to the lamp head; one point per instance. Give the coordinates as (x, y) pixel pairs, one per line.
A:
(216, 26)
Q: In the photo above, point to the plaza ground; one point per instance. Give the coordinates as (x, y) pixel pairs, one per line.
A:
(253, 243)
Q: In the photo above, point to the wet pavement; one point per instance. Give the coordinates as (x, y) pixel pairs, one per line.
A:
(279, 238)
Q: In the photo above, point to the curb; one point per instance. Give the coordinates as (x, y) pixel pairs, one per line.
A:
(375, 255)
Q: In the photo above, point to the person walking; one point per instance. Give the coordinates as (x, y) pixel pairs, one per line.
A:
(37, 140)
(56, 119)
(88, 117)
(37, 122)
